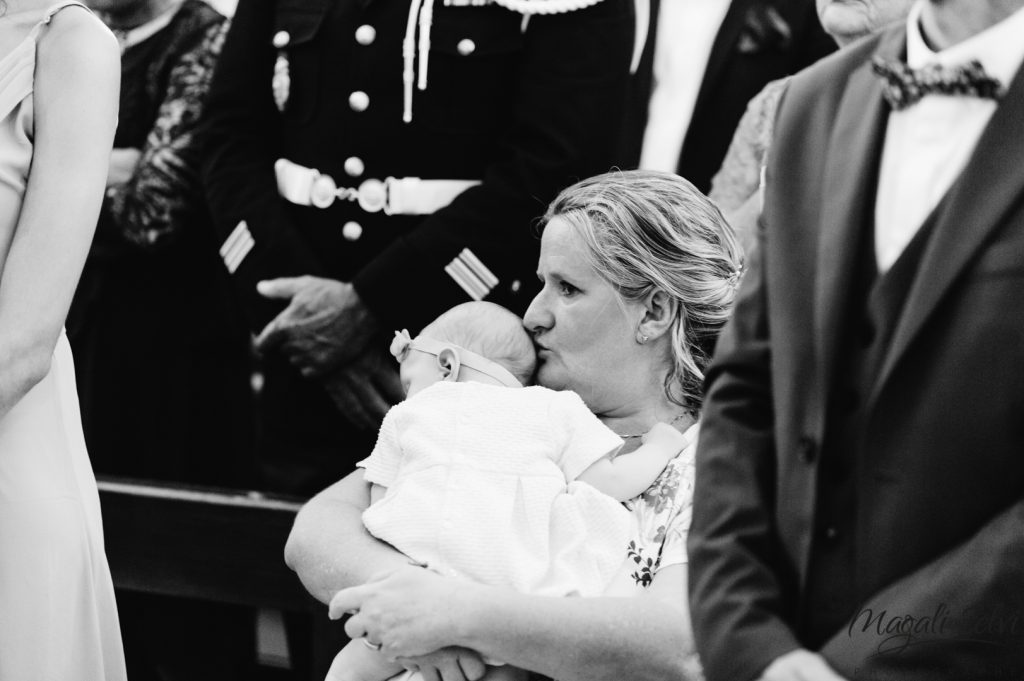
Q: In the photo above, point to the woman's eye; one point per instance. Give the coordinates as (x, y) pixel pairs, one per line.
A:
(567, 289)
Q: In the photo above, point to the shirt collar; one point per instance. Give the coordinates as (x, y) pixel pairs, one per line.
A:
(999, 48)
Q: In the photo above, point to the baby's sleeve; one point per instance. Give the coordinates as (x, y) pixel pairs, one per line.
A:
(580, 437)
(381, 466)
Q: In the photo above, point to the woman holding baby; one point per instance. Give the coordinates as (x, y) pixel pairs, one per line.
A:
(639, 272)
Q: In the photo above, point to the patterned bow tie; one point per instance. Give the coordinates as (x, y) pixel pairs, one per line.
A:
(905, 86)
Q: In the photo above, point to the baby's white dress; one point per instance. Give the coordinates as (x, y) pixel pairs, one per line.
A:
(481, 483)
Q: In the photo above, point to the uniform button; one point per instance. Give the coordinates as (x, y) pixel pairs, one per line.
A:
(466, 47)
(352, 231)
(830, 533)
(281, 39)
(516, 285)
(358, 101)
(366, 34)
(354, 166)
(807, 450)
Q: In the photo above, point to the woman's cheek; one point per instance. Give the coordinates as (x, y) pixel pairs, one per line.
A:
(552, 374)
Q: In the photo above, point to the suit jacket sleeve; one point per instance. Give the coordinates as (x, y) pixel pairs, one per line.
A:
(963, 614)
(240, 136)
(570, 100)
(738, 599)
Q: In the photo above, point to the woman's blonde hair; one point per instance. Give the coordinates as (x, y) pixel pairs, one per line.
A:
(647, 231)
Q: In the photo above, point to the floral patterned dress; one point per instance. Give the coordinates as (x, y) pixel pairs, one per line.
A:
(663, 513)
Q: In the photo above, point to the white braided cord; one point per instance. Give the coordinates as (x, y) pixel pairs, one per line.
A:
(530, 7)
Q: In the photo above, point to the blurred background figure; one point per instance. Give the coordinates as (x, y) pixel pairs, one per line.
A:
(162, 360)
(702, 62)
(735, 187)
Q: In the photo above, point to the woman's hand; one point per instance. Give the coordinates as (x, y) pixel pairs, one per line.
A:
(410, 611)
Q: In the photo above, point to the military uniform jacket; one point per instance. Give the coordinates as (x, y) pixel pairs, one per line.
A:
(527, 112)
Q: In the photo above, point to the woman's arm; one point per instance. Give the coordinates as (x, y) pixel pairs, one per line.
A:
(75, 101)
(413, 611)
(585, 639)
(330, 548)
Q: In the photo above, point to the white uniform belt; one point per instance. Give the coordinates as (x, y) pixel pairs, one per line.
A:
(394, 195)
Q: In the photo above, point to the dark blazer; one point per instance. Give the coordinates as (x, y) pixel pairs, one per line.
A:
(934, 530)
(758, 42)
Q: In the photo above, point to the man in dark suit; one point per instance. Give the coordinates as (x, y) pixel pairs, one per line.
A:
(859, 506)
(371, 163)
(754, 42)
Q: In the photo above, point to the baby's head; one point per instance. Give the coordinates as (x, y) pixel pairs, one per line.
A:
(477, 341)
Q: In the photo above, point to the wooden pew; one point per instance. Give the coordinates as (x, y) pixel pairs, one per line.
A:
(212, 544)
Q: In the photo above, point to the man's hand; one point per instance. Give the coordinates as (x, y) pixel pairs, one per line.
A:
(324, 325)
(447, 664)
(122, 165)
(366, 388)
(800, 665)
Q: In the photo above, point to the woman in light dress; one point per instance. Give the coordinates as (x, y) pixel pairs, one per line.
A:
(59, 69)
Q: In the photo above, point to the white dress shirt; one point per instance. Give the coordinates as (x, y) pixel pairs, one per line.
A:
(686, 34)
(928, 144)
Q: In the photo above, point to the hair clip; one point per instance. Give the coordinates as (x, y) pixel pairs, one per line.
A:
(737, 274)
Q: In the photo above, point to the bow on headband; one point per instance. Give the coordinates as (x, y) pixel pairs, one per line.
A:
(402, 344)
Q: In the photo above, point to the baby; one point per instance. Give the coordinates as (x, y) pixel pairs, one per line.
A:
(479, 477)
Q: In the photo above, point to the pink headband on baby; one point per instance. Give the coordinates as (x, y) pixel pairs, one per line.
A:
(402, 344)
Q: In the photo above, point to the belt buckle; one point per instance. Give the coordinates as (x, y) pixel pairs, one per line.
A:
(373, 195)
(323, 191)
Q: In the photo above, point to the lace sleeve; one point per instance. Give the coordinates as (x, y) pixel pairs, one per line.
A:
(740, 174)
(148, 209)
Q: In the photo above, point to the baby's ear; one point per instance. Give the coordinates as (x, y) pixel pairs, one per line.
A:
(449, 363)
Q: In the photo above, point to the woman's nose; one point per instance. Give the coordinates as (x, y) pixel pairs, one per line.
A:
(538, 315)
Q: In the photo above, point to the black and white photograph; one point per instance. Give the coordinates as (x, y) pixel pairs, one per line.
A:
(511, 340)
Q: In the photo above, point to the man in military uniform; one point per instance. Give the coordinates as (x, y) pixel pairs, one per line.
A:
(371, 163)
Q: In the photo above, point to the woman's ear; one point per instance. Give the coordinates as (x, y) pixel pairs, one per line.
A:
(449, 363)
(659, 311)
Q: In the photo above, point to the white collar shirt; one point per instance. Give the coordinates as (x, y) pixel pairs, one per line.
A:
(685, 36)
(927, 145)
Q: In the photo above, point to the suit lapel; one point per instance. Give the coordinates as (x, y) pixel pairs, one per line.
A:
(725, 41)
(848, 201)
(641, 84)
(975, 206)
(721, 48)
